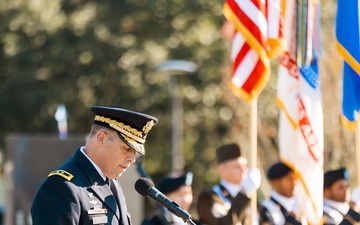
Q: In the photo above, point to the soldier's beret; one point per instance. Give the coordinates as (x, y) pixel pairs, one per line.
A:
(278, 170)
(331, 176)
(132, 127)
(227, 152)
(169, 184)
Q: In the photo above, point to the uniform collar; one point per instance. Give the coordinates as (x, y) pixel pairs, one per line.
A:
(89, 168)
(93, 163)
(233, 189)
(287, 203)
(342, 207)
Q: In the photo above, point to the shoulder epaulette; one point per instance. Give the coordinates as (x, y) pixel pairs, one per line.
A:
(62, 173)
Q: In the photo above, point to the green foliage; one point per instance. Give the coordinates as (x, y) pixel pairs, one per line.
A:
(84, 53)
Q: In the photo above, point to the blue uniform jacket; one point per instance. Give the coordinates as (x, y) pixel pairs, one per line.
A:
(77, 194)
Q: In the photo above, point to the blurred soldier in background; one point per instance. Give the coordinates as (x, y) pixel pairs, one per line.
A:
(338, 207)
(179, 190)
(227, 203)
(279, 208)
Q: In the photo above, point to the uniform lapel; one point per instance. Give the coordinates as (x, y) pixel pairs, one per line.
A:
(225, 192)
(120, 198)
(106, 196)
(98, 184)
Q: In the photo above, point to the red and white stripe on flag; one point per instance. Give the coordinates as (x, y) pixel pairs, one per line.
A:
(250, 73)
(251, 47)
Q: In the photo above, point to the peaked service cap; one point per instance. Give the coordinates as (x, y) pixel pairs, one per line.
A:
(132, 127)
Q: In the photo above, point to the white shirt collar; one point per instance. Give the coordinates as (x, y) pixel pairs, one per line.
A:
(233, 189)
(288, 203)
(343, 207)
(92, 162)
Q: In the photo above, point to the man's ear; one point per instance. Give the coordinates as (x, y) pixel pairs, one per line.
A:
(101, 136)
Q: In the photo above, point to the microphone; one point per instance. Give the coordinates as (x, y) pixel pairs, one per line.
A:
(146, 188)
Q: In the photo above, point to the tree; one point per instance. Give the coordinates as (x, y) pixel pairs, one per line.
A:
(84, 53)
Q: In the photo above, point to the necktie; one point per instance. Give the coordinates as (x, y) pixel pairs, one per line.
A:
(112, 186)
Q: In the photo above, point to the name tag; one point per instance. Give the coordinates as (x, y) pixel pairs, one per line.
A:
(97, 211)
(100, 220)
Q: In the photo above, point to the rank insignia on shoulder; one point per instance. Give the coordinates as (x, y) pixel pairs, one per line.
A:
(62, 173)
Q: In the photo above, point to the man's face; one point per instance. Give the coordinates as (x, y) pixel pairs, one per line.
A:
(286, 185)
(115, 156)
(233, 170)
(338, 191)
(182, 196)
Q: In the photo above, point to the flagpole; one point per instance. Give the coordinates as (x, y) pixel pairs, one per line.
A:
(253, 147)
(357, 149)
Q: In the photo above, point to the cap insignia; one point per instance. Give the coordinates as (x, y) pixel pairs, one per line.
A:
(148, 126)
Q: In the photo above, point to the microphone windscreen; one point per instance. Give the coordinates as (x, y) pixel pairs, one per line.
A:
(142, 186)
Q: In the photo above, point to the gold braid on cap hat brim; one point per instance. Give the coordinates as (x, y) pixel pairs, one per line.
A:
(126, 129)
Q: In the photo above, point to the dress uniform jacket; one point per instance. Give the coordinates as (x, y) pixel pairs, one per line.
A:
(334, 216)
(217, 207)
(77, 194)
(273, 213)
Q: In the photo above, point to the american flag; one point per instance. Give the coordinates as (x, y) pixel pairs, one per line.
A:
(258, 38)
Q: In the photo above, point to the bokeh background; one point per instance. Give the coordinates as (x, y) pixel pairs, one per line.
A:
(82, 53)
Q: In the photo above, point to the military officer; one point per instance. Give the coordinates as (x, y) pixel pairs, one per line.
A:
(85, 189)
